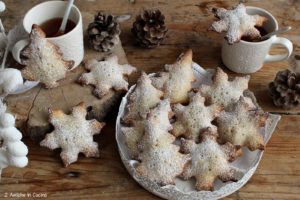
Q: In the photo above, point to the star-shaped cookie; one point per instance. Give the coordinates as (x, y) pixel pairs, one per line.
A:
(160, 159)
(240, 126)
(106, 75)
(73, 134)
(44, 62)
(192, 119)
(209, 160)
(177, 81)
(237, 23)
(222, 91)
(144, 97)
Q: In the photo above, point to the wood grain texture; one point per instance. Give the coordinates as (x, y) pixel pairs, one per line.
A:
(278, 175)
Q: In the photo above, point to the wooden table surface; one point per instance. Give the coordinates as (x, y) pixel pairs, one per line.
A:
(278, 175)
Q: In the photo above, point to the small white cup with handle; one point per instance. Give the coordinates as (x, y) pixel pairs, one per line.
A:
(70, 44)
(249, 57)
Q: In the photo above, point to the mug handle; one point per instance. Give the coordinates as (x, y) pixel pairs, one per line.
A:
(16, 51)
(285, 43)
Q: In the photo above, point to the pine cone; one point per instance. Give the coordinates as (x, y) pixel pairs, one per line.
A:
(285, 89)
(149, 28)
(103, 33)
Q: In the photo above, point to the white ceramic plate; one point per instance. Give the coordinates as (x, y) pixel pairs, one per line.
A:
(184, 190)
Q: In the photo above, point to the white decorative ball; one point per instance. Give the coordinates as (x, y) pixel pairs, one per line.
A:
(7, 120)
(2, 6)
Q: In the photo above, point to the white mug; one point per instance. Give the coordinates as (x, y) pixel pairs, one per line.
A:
(249, 57)
(70, 44)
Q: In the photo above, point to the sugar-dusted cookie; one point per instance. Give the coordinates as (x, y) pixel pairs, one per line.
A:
(237, 23)
(144, 97)
(222, 91)
(44, 62)
(73, 134)
(192, 119)
(158, 122)
(160, 159)
(177, 81)
(106, 75)
(240, 126)
(209, 160)
(133, 136)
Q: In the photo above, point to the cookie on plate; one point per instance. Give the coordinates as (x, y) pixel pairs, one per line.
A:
(160, 159)
(222, 91)
(176, 82)
(241, 126)
(144, 97)
(133, 135)
(158, 122)
(237, 23)
(193, 118)
(209, 160)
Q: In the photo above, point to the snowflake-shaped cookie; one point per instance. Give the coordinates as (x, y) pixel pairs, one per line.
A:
(177, 81)
(44, 61)
(209, 160)
(192, 119)
(160, 159)
(144, 97)
(237, 23)
(73, 134)
(222, 91)
(240, 126)
(106, 75)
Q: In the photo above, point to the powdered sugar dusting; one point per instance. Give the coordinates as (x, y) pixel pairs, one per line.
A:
(237, 23)
(144, 97)
(184, 189)
(106, 75)
(224, 92)
(160, 159)
(192, 119)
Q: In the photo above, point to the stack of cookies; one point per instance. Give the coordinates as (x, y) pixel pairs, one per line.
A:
(174, 130)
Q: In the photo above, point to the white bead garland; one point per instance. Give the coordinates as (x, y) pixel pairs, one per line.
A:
(13, 151)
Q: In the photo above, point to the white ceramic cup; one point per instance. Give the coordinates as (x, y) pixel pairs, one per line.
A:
(249, 57)
(70, 44)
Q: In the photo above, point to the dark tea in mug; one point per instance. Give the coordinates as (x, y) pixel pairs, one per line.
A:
(51, 27)
(262, 31)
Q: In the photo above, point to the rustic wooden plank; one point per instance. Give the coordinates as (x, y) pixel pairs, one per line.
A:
(278, 174)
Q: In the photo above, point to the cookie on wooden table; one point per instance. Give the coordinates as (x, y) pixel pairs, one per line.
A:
(106, 75)
(44, 61)
(73, 134)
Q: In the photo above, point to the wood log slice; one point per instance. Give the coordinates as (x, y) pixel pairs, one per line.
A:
(31, 108)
